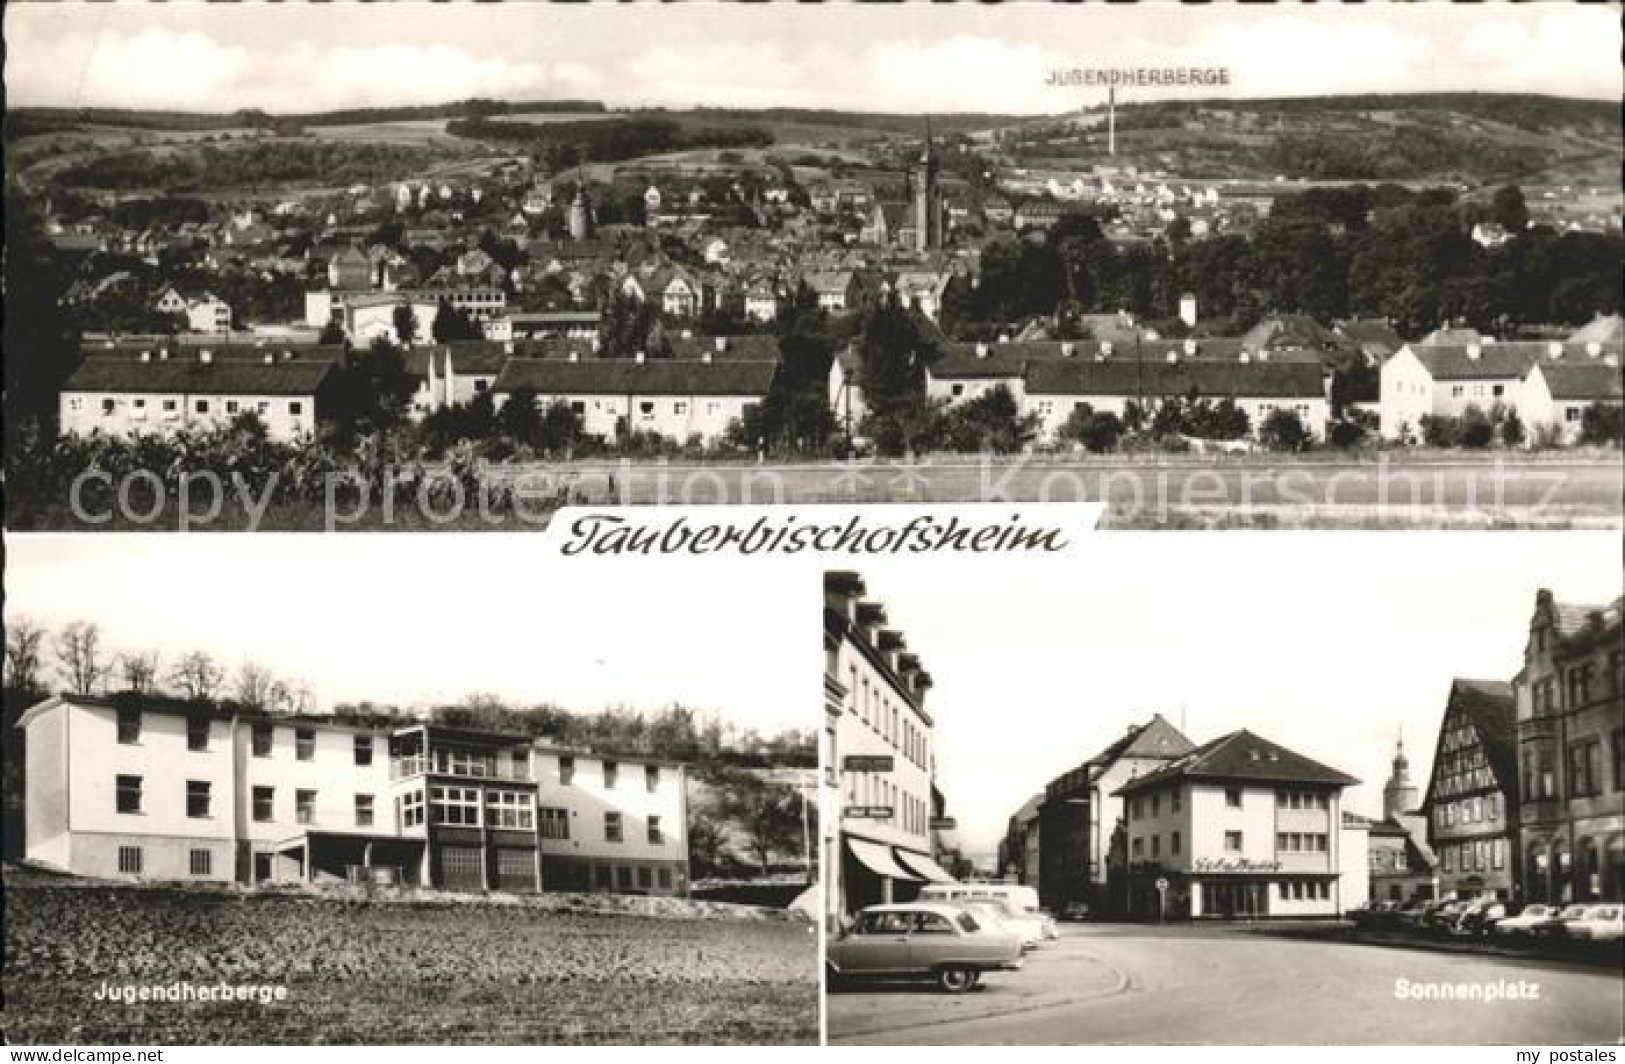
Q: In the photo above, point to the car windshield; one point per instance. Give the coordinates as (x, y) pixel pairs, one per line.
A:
(1606, 912)
(968, 922)
(1574, 911)
(1537, 910)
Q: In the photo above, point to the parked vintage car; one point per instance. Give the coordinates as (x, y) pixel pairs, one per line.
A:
(1028, 927)
(1075, 910)
(1479, 917)
(1527, 921)
(1598, 923)
(944, 943)
(1557, 925)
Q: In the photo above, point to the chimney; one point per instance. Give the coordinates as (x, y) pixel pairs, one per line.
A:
(1474, 351)
(981, 350)
(705, 357)
(1264, 356)
(287, 354)
(163, 354)
(269, 358)
(575, 356)
(507, 347)
(1555, 349)
(1593, 348)
(1105, 351)
(722, 343)
(1245, 357)
(1190, 347)
(1173, 356)
(205, 356)
(1004, 338)
(595, 343)
(1067, 349)
(146, 356)
(638, 358)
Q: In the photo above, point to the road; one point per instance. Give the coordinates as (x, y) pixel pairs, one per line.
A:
(1252, 490)
(1105, 984)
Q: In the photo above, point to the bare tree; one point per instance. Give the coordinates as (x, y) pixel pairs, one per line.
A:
(140, 670)
(25, 640)
(254, 686)
(197, 676)
(79, 655)
(290, 696)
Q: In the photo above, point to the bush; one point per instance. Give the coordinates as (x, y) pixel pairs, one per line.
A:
(1477, 430)
(1440, 431)
(1283, 430)
(1602, 423)
(1099, 433)
(1347, 434)
(1513, 433)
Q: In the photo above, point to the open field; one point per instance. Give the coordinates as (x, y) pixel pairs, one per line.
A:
(419, 131)
(360, 971)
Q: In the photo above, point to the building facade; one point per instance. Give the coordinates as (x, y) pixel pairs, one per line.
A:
(1571, 753)
(1402, 866)
(1081, 811)
(1472, 797)
(163, 790)
(883, 753)
(1239, 828)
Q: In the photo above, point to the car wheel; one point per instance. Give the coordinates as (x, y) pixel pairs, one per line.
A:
(955, 980)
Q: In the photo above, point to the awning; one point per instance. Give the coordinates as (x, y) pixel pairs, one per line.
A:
(878, 859)
(924, 867)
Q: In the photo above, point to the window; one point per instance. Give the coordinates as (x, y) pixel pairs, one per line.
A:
(1156, 846)
(567, 769)
(264, 803)
(458, 806)
(197, 798)
(304, 806)
(169, 406)
(127, 790)
(295, 408)
(1156, 805)
(129, 726)
(231, 406)
(1232, 797)
(1232, 842)
(197, 733)
(651, 778)
(1617, 741)
(646, 877)
(363, 810)
(1173, 801)
(656, 836)
(200, 862)
(1585, 767)
(363, 749)
(611, 771)
(202, 406)
(663, 876)
(304, 743)
(612, 827)
(603, 876)
(1139, 848)
(1173, 844)
(511, 809)
(623, 877)
(129, 860)
(555, 823)
(262, 740)
(412, 809)
(679, 408)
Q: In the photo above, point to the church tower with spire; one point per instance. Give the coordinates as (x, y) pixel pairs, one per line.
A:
(1399, 795)
(927, 199)
(580, 220)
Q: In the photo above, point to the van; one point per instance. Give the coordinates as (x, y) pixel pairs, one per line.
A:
(1022, 897)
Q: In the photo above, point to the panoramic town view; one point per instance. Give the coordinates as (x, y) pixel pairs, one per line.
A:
(1118, 813)
(359, 855)
(1308, 304)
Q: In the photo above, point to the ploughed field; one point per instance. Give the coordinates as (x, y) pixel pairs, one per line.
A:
(365, 971)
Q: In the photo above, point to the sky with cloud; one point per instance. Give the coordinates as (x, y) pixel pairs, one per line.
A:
(303, 57)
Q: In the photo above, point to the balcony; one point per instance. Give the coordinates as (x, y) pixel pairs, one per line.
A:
(459, 763)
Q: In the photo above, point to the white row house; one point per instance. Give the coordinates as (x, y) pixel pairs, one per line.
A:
(157, 393)
(1547, 383)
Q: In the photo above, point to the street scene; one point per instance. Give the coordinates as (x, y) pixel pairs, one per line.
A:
(1429, 851)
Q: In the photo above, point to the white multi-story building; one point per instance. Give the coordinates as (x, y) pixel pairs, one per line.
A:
(1239, 828)
(158, 789)
(163, 393)
(882, 750)
(677, 398)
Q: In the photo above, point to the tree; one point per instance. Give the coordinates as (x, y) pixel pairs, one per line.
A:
(767, 814)
(406, 324)
(1477, 430)
(992, 421)
(1513, 432)
(79, 655)
(1440, 431)
(707, 841)
(452, 325)
(24, 640)
(253, 686)
(520, 418)
(1602, 423)
(1508, 208)
(197, 676)
(1284, 431)
(1098, 432)
(140, 670)
(332, 333)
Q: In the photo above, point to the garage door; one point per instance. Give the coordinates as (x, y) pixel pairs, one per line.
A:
(516, 869)
(460, 868)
